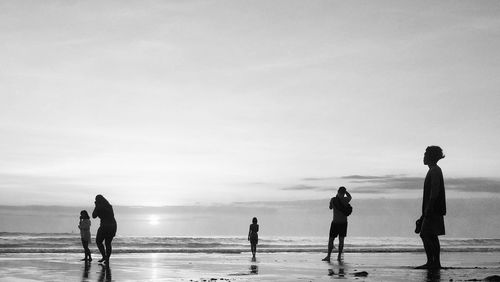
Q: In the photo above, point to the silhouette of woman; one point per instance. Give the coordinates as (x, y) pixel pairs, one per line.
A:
(253, 237)
(84, 226)
(107, 229)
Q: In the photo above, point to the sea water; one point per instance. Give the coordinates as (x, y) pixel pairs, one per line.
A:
(70, 243)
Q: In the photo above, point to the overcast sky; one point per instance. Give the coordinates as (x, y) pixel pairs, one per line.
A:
(182, 102)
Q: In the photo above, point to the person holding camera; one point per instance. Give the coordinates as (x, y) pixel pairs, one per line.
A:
(341, 210)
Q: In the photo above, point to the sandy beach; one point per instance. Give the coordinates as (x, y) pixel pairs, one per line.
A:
(461, 266)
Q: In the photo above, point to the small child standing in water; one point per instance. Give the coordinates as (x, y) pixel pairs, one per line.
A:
(253, 237)
(84, 226)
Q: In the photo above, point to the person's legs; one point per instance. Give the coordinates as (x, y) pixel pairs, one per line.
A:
(99, 238)
(89, 254)
(330, 248)
(436, 250)
(342, 231)
(426, 233)
(432, 226)
(254, 249)
(107, 242)
(438, 229)
(437, 259)
(85, 245)
(426, 240)
(331, 239)
(341, 247)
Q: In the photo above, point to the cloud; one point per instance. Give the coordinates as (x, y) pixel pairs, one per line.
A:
(301, 187)
(366, 177)
(373, 184)
(394, 182)
(477, 184)
(354, 177)
(318, 178)
(369, 190)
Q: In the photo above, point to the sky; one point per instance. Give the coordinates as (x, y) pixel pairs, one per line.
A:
(168, 103)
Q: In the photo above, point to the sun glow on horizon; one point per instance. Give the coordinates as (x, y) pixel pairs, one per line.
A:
(154, 220)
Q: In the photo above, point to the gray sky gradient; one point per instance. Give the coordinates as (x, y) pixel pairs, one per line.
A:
(179, 102)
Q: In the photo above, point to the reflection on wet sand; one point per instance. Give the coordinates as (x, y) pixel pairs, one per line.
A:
(86, 269)
(105, 275)
(340, 273)
(254, 269)
(432, 275)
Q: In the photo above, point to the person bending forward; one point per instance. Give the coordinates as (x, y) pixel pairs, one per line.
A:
(107, 229)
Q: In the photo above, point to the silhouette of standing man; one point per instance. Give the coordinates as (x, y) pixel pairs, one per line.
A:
(338, 226)
(433, 208)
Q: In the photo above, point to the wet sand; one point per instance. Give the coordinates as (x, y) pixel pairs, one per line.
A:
(462, 266)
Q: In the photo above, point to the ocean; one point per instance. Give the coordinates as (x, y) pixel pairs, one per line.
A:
(11, 242)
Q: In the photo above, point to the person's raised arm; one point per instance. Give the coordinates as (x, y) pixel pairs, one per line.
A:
(348, 196)
(95, 213)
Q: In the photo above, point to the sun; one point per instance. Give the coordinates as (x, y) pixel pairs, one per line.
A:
(154, 219)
